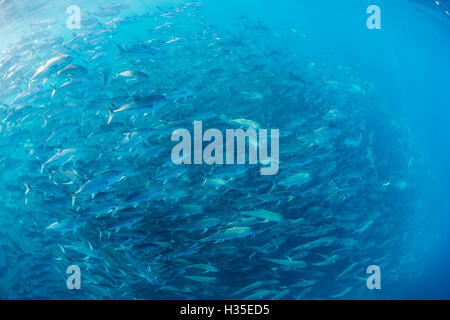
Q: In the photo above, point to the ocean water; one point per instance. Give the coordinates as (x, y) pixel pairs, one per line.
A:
(90, 190)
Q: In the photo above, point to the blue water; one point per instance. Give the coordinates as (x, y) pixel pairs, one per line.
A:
(363, 113)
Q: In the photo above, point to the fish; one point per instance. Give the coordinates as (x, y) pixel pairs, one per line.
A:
(142, 50)
(100, 182)
(296, 179)
(72, 70)
(202, 279)
(264, 214)
(342, 293)
(151, 103)
(50, 66)
(69, 224)
(289, 263)
(229, 234)
(127, 222)
(347, 270)
(62, 156)
(181, 94)
(130, 74)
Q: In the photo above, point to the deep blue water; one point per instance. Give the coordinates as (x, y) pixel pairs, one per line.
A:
(362, 113)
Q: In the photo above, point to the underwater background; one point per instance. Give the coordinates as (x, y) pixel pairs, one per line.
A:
(86, 176)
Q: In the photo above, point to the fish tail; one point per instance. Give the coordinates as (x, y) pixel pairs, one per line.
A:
(121, 49)
(223, 118)
(85, 62)
(76, 172)
(106, 76)
(45, 120)
(111, 114)
(73, 199)
(54, 90)
(274, 185)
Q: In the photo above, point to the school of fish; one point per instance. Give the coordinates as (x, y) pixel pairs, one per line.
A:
(87, 178)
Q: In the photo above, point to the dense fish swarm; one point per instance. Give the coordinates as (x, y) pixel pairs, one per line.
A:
(87, 177)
